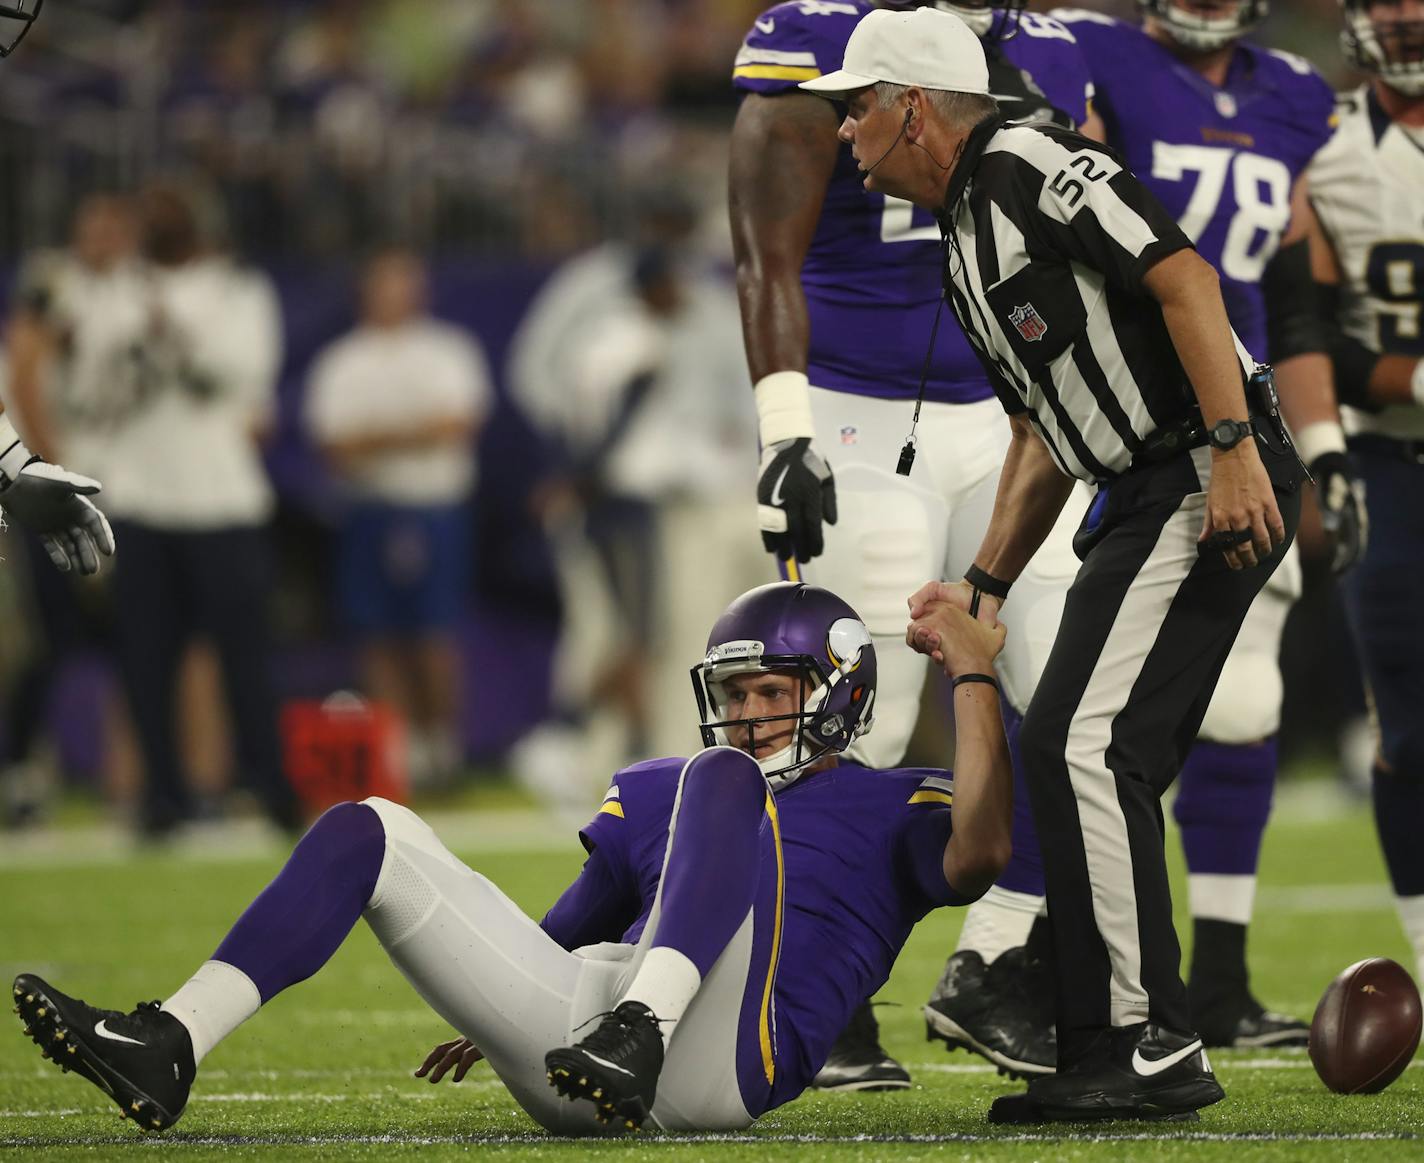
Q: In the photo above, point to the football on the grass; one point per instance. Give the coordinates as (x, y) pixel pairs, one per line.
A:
(1366, 1027)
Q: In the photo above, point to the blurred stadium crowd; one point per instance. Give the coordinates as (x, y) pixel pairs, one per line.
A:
(484, 233)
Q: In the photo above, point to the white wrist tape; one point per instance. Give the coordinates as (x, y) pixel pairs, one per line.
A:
(1315, 440)
(783, 401)
(1416, 383)
(13, 453)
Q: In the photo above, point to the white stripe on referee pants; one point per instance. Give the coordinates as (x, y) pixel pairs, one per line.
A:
(1104, 827)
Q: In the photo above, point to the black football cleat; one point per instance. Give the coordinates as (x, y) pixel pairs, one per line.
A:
(1150, 1073)
(616, 1067)
(858, 1062)
(1003, 1011)
(1253, 1027)
(142, 1060)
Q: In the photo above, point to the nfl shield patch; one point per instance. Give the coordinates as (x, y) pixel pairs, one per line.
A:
(1028, 322)
(849, 435)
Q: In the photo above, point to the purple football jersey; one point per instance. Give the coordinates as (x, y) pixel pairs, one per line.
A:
(872, 274)
(1222, 160)
(862, 854)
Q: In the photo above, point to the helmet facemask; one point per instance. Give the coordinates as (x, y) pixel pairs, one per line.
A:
(1391, 49)
(1200, 33)
(817, 730)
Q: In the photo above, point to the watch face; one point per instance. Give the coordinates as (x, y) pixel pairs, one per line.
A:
(1228, 434)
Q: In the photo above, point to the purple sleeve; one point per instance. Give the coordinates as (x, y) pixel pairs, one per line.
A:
(794, 42)
(600, 904)
(923, 837)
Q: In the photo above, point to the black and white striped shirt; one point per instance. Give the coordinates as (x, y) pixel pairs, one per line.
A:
(1049, 237)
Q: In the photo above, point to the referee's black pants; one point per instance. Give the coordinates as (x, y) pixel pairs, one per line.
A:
(1146, 629)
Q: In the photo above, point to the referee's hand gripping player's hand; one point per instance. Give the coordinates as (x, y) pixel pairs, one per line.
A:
(1242, 517)
(959, 594)
(459, 1054)
(957, 642)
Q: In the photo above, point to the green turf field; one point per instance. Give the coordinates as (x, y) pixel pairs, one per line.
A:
(324, 1071)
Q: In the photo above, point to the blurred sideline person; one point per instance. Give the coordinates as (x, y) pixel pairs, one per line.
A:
(1365, 187)
(396, 407)
(645, 436)
(734, 907)
(191, 499)
(843, 322)
(1221, 131)
(65, 345)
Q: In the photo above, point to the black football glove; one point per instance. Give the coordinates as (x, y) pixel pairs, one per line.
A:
(1342, 508)
(795, 493)
(54, 503)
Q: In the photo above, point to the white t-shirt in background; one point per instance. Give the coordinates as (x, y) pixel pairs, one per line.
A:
(376, 380)
(183, 456)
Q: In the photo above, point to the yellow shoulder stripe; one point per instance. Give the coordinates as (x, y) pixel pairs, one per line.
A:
(776, 72)
(925, 796)
(612, 808)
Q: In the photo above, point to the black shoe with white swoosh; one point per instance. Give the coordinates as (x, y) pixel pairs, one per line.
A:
(1150, 1073)
(142, 1060)
(616, 1067)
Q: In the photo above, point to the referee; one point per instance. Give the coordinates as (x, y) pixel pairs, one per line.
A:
(1106, 340)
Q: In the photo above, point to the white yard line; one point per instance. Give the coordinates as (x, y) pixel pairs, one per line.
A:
(534, 1138)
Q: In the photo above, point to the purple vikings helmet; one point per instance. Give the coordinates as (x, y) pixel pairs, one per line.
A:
(783, 626)
(1201, 33)
(1391, 47)
(16, 16)
(978, 14)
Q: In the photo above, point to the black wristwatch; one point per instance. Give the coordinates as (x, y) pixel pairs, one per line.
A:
(1227, 434)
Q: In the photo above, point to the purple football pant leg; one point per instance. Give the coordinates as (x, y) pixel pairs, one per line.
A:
(713, 860)
(300, 919)
(1024, 872)
(1223, 804)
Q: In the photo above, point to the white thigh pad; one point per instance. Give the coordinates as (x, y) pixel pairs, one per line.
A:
(1246, 705)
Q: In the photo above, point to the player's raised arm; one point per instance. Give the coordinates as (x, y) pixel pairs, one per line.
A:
(981, 842)
(783, 151)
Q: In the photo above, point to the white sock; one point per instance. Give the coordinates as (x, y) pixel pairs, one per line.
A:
(212, 1004)
(1216, 897)
(997, 921)
(666, 983)
(1411, 916)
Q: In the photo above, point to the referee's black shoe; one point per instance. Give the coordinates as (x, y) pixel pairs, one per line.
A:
(616, 1067)
(142, 1060)
(1149, 1073)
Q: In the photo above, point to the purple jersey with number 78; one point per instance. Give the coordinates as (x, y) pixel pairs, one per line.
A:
(872, 273)
(1221, 160)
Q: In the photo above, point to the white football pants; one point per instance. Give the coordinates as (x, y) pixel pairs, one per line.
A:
(895, 533)
(501, 981)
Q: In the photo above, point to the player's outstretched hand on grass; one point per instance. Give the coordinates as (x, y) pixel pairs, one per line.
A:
(459, 1054)
(957, 642)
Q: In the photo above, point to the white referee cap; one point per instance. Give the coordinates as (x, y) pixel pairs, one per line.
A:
(925, 47)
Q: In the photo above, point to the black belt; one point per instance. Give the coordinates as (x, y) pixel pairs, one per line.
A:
(1392, 447)
(1170, 440)
(1179, 436)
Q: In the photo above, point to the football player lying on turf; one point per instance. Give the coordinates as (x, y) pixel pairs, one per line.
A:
(734, 909)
